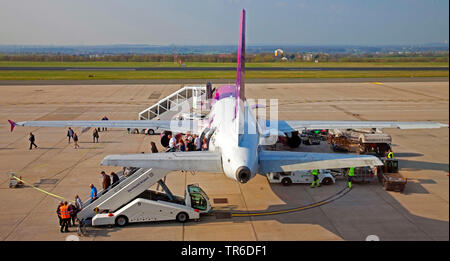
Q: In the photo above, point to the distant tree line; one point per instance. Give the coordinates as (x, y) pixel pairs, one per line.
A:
(230, 58)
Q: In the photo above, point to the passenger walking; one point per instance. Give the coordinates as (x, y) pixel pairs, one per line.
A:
(351, 174)
(315, 173)
(78, 203)
(75, 140)
(65, 216)
(153, 147)
(181, 145)
(204, 145)
(93, 192)
(72, 212)
(188, 144)
(106, 181)
(32, 139)
(115, 178)
(172, 143)
(58, 212)
(126, 172)
(70, 133)
(95, 135)
(104, 119)
(189, 140)
(197, 143)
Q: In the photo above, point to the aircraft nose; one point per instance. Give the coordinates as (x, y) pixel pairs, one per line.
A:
(243, 174)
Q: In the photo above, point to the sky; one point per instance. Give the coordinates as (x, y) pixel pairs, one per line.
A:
(216, 22)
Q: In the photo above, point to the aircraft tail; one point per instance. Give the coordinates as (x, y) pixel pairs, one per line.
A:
(240, 74)
(239, 112)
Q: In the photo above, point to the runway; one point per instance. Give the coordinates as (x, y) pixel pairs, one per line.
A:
(421, 213)
(223, 68)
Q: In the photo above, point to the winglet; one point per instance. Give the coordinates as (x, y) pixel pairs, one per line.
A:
(13, 124)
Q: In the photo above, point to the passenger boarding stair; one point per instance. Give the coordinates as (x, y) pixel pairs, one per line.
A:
(126, 189)
(166, 108)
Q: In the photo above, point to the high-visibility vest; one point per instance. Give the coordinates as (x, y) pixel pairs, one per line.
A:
(64, 212)
(390, 155)
(315, 172)
(351, 171)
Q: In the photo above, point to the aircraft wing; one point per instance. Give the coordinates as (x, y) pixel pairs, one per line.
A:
(175, 125)
(203, 161)
(289, 126)
(281, 161)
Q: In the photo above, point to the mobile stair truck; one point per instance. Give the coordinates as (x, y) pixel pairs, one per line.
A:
(131, 201)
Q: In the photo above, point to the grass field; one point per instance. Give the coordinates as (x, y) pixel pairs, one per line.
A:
(129, 75)
(206, 64)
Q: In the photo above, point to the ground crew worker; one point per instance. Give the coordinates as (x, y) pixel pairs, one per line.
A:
(390, 154)
(58, 212)
(315, 173)
(351, 174)
(65, 216)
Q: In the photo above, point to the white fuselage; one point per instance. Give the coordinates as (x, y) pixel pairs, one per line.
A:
(237, 156)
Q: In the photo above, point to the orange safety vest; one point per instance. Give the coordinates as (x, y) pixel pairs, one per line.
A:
(64, 212)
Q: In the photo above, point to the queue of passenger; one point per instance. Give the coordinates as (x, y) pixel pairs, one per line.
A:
(187, 142)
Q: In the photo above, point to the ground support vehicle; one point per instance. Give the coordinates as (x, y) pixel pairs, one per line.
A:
(300, 176)
(360, 141)
(362, 174)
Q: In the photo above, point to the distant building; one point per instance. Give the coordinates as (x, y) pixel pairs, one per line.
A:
(308, 57)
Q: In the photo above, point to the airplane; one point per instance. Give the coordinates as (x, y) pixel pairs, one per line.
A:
(233, 149)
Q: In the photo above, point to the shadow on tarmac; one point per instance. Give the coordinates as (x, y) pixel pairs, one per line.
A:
(366, 210)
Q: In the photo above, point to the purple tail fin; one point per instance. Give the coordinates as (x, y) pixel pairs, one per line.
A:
(13, 124)
(240, 75)
(240, 72)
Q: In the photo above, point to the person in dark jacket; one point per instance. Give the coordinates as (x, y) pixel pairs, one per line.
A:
(95, 135)
(153, 147)
(106, 181)
(115, 178)
(75, 140)
(73, 214)
(32, 139)
(70, 133)
(105, 119)
(58, 212)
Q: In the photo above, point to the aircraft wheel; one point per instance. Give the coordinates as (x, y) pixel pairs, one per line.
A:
(150, 132)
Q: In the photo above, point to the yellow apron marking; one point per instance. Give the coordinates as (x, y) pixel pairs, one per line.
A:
(41, 190)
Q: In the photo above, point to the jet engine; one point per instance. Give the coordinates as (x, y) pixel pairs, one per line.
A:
(165, 139)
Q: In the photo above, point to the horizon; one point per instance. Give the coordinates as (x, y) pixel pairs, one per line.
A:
(251, 44)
